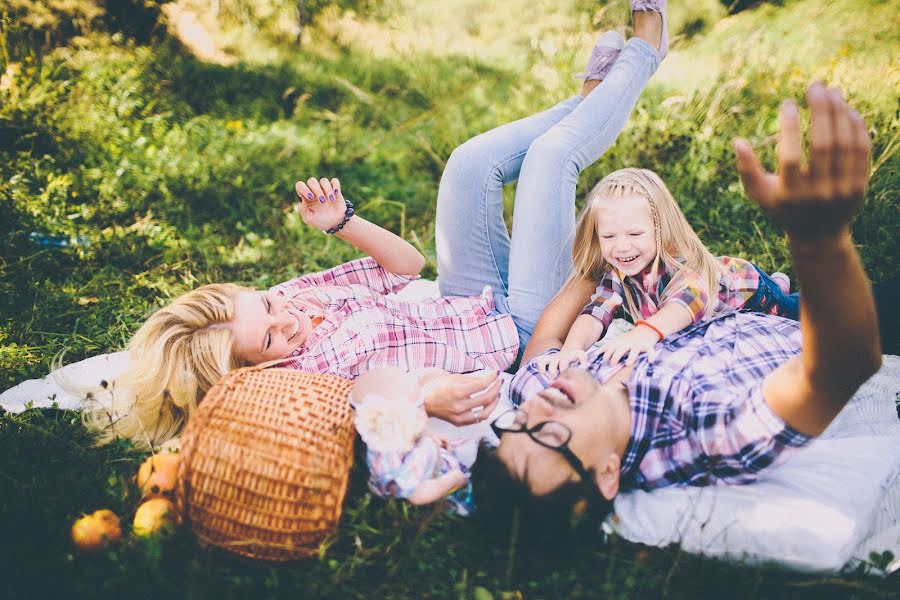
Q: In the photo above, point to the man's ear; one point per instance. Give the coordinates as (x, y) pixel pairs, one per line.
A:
(608, 476)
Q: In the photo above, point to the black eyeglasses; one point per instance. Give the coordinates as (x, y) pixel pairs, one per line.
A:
(549, 434)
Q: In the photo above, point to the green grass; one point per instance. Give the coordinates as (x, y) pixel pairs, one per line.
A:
(180, 172)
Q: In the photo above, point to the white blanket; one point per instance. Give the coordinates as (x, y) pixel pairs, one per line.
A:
(827, 507)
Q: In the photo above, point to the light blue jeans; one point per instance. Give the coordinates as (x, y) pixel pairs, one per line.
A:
(546, 152)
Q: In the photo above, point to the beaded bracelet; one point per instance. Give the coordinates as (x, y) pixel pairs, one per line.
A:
(349, 212)
(651, 326)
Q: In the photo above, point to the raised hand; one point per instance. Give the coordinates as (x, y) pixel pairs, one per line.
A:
(818, 198)
(321, 202)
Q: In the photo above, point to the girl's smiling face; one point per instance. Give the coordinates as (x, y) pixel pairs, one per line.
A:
(627, 234)
(266, 326)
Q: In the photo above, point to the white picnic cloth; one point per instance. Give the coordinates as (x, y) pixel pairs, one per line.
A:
(827, 507)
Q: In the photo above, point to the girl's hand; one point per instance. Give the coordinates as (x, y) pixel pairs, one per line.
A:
(462, 399)
(321, 202)
(638, 340)
(552, 364)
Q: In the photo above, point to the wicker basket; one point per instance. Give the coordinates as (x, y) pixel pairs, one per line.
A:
(265, 462)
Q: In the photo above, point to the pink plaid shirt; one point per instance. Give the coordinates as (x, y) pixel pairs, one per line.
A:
(365, 327)
(739, 281)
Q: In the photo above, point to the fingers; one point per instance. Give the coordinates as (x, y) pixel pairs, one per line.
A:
(790, 148)
(483, 397)
(336, 186)
(842, 164)
(313, 184)
(751, 172)
(821, 139)
(474, 384)
(860, 155)
(327, 190)
(303, 192)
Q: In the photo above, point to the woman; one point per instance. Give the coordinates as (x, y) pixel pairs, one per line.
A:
(342, 321)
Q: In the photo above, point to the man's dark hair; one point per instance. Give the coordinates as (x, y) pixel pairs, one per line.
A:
(547, 526)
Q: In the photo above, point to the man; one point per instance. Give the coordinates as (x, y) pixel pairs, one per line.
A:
(722, 400)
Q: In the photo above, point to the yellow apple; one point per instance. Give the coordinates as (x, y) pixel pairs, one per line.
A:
(96, 530)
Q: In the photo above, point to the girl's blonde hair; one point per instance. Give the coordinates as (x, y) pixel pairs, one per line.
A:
(677, 245)
(178, 354)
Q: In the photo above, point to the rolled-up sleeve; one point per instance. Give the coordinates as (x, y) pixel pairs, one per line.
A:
(606, 300)
(362, 271)
(691, 294)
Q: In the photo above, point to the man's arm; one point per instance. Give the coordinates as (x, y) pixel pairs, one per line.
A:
(814, 204)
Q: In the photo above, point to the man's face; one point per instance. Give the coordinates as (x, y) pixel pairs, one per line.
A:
(576, 400)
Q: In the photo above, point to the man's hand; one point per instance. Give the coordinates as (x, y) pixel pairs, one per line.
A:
(321, 202)
(817, 199)
(814, 204)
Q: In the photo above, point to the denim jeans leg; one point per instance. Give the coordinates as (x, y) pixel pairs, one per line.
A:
(471, 237)
(769, 298)
(544, 215)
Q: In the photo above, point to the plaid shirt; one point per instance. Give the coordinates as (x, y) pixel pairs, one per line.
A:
(364, 327)
(698, 416)
(399, 474)
(738, 282)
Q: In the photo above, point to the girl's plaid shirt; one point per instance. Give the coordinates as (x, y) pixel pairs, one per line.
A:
(739, 281)
(365, 326)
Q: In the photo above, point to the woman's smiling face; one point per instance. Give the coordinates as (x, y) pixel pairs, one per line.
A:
(266, 326)
(626, 232)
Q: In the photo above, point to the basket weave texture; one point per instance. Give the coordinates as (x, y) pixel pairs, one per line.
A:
(265, 462)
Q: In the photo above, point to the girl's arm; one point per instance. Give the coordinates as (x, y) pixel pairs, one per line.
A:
(671, 318)
(441, 486)
(586, 330)
(322, 206)
(558, 317)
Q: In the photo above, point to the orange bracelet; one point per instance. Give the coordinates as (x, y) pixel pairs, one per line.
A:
(651, 326)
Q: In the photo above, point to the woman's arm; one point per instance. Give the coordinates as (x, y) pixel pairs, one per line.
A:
(322, 206)
(557, 318)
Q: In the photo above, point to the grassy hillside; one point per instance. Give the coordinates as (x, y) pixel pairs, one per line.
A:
(171, 172)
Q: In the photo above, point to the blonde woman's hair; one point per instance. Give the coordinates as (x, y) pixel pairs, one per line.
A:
(677, 245)
(178, 354)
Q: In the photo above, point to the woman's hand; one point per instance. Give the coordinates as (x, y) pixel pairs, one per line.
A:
(462, 399)
(321, 202)
(552, 364)
(638, 340)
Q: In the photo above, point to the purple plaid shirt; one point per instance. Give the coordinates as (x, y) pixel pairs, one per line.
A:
(698, 416)
(739, 280)
(365, 327)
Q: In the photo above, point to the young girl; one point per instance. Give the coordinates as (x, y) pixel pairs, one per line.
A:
(633, 238)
